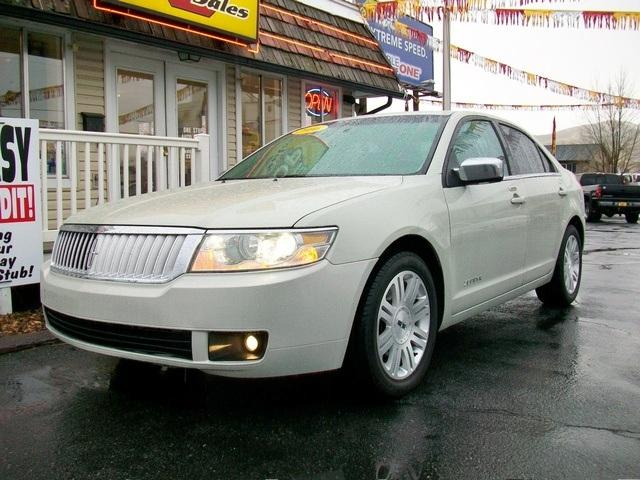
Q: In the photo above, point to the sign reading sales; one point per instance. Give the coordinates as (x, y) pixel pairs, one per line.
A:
(237, 18)
(20, 220)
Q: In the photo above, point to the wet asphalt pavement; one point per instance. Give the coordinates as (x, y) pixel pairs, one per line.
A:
(519, 392)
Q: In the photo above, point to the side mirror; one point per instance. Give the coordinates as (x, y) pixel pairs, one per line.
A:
(479, 170)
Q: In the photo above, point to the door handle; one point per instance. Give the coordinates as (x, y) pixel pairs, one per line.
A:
(517, 200)
(562, 192)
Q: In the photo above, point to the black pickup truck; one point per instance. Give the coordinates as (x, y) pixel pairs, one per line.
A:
(609, 194)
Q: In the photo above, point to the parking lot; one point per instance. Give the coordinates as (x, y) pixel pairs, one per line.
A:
(521, 391)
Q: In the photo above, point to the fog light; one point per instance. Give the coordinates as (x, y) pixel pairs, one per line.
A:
(251, 343)
(237, 346)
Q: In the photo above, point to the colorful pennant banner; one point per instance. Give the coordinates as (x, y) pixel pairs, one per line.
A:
(499, 68)
(495, 12)
(468, 5)
(555, 18)
(527, 108)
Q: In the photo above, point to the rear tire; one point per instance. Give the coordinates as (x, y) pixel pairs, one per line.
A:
(563, 288)
(592, 214)
(395, 333)
(631, 217)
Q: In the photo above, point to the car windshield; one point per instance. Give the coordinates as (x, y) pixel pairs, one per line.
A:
(394, 145)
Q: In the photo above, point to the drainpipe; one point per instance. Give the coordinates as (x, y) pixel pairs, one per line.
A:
(379, 109)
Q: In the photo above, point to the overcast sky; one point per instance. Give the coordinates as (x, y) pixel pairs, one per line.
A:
(587, 58)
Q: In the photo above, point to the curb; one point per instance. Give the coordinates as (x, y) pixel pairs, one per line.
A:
(15, 343)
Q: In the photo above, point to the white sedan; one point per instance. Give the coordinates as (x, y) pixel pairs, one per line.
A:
(349, 243)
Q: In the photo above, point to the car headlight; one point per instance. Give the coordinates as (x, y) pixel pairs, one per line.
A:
(260, 250)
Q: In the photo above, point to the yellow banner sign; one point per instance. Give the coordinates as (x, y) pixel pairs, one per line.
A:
(237, 18)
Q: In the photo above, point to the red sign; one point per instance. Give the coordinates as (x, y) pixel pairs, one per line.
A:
(17, 203)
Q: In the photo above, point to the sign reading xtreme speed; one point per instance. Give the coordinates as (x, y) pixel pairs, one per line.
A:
(404, 42)
(20, 217)
(237, 18)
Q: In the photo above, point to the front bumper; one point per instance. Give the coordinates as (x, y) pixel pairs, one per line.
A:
(307, 312)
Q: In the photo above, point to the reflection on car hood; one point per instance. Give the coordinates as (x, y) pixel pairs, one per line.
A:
(259, 203)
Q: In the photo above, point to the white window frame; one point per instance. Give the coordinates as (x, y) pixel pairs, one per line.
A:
(303, 103)
(68, 77)
(285, 104)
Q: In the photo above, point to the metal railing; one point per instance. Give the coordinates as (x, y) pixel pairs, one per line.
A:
(84, 169)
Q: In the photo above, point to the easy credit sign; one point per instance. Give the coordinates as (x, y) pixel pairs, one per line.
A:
(20, 215)
(237, 18)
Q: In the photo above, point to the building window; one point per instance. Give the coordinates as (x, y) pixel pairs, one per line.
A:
(33, 62)
(262, 110)
(10, 80)
(321, 103)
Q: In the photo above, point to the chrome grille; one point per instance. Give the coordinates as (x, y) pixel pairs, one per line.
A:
(125, 254)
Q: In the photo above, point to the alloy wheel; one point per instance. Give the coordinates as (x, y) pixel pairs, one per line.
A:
(571, 264)
(403, 325)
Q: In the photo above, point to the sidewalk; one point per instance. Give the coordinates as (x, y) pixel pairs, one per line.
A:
(15, 343)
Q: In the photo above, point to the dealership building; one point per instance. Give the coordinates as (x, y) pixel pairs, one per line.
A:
(241, 71)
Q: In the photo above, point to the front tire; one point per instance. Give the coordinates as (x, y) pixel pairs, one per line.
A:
(396, 330)
(563, 288)
(632, 217)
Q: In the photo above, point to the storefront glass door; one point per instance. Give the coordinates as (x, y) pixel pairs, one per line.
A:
(165, 98)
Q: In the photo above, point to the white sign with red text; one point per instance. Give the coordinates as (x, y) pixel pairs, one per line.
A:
(20, 205)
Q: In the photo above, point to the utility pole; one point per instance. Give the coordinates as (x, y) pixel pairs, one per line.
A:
(446, 60)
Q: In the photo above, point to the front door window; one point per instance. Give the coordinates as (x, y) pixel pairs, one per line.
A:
(193, 111)
(192, 100)
(136, 109)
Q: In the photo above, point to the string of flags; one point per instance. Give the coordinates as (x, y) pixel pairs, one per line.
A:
(500, 12)
(555, 18)
(528, 78)
(468, 5)
(522, 107)
(498, 68)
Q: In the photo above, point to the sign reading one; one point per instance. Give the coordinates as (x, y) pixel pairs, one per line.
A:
(20, 220)
(319, 102)
(238, 18)
(404, 42)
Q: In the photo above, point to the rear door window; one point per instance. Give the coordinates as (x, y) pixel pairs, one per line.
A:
(546, 163)
(524, 156)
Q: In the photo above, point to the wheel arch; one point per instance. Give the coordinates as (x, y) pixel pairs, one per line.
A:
(575, 221)
(407, 243)
(424, 249)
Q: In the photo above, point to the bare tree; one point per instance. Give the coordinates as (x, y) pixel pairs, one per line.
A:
(615, 130)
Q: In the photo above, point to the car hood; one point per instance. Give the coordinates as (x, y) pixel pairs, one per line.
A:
(259, 203)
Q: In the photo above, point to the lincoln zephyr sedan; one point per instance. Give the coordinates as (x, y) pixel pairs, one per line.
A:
(343, 244)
